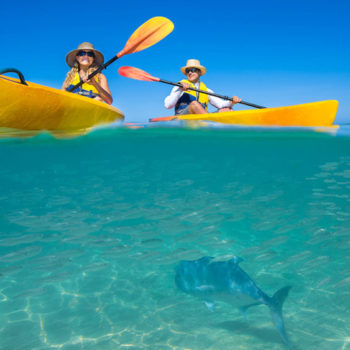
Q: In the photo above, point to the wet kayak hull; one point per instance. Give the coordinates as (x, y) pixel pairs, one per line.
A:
(304, 115)
(37, 107)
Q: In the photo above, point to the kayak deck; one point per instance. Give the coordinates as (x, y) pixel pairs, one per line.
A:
(309, 115)
(37, 107)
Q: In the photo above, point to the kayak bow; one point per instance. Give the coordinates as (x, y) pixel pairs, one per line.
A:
(38, 107)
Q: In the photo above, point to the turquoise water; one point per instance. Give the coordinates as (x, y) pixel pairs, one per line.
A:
(92, 228)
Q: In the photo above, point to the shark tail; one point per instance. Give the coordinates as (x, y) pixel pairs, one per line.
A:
(276, 311)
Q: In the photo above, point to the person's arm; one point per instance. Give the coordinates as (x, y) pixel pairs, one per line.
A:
(170, 101)
(220, 103)
(102, 88)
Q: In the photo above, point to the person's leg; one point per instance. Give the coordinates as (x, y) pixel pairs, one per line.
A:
(196, 108)
(225, 109)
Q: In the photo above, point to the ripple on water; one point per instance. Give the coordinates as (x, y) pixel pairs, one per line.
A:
(23, 239)
(21, 254)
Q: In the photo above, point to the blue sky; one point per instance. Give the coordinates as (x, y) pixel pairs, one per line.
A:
(272, 53)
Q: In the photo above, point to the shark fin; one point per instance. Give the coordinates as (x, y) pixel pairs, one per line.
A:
(236, 260)
(209, 305)
(276, 311)
(244, 309)
(206, 288)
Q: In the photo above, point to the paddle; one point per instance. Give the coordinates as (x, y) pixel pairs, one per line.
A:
(135, 73)
(152, 31)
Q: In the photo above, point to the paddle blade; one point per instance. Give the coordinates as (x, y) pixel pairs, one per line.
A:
(152, 31)
(135, 73)
(162, 119)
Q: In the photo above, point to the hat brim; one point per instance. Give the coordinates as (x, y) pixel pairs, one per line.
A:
(70, 58)
(201, 68)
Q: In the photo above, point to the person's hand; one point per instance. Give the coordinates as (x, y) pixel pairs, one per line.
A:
(235, 100)
(91, 81)
(185, 86)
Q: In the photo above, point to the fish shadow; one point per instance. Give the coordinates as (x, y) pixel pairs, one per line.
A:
(239, 327)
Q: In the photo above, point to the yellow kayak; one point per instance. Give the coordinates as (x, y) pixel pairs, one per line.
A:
(305, 115)
(37, 107)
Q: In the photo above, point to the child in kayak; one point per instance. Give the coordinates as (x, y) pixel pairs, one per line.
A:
(187, 101)
(83, 61)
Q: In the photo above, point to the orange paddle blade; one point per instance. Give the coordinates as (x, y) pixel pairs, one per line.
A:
(162, 119)
(152, 31)
(135, 73)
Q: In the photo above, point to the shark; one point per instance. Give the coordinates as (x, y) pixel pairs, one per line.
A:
(212, 280)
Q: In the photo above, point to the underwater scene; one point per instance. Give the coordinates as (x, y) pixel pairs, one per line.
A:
(174, 238)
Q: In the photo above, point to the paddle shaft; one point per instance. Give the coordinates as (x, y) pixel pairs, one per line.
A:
(212, 94)
(148, 34)
(98, 70)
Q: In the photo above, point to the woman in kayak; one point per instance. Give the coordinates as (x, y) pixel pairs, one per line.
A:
(187, 101)
(83, 61)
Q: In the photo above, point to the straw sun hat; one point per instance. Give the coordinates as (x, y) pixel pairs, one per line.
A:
(70, 58)
(192, 63)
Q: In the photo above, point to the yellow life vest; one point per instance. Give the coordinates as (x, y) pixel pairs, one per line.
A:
(203, 99)
(85, 89)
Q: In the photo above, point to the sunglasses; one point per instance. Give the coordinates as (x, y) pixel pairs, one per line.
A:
(193, 70)
(84, 53)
